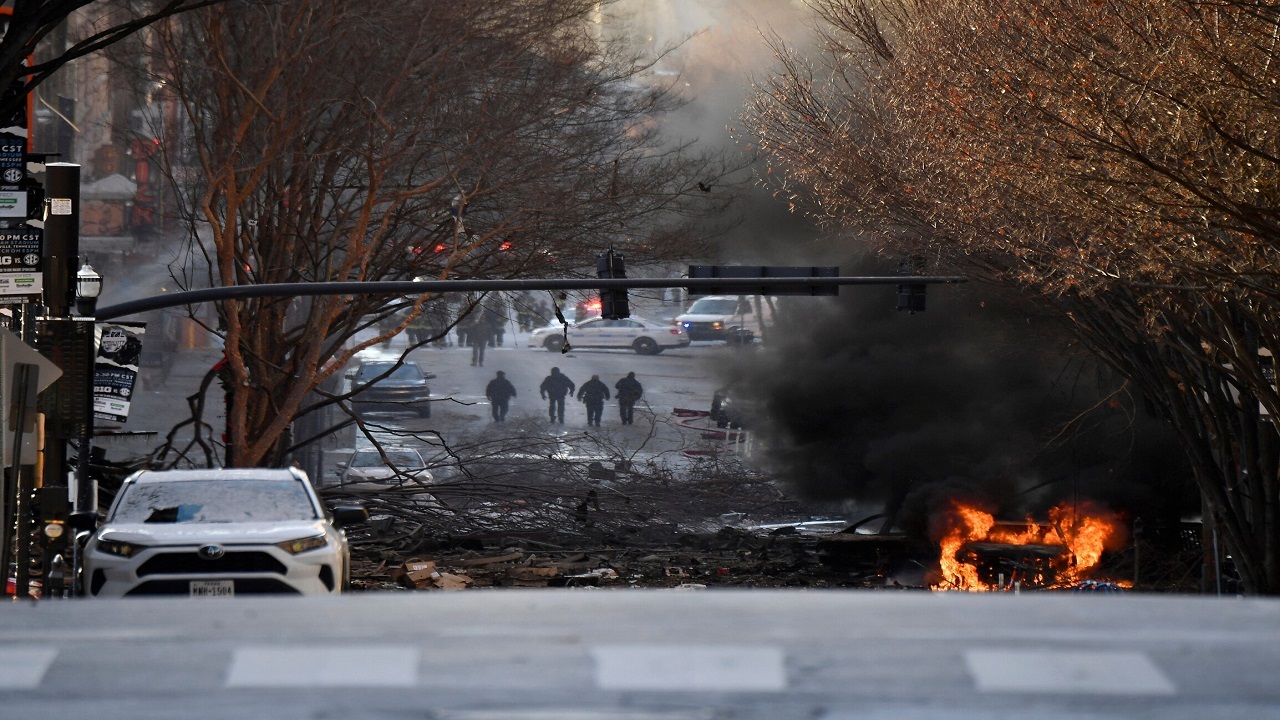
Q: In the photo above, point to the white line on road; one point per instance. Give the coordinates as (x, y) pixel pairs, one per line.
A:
(675, 667)
(1047, 671)
(22, 667)
(324, 666)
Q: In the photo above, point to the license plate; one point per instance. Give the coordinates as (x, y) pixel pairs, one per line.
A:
(213, 588)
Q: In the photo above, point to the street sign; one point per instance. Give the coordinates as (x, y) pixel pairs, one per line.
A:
(13, 352)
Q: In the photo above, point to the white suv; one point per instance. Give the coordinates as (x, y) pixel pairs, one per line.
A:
(720, 317)
(218, 533)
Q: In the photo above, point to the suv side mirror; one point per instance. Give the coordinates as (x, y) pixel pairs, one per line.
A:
(344, 515)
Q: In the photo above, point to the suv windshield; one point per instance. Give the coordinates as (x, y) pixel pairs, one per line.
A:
(404, 459)
(214, 501)
(714, 306)
(407, 371)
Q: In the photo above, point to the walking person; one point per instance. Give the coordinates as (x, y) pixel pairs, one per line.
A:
(479, 336)
(500, 391)
(420, 329)
(554, 387)
(593, 393)
(629, 391)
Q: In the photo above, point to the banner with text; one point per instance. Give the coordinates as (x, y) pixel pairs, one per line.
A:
(115, 370)
(21, 278)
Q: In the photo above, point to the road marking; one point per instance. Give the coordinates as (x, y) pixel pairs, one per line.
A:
(676, 667)
(22, 667)
(324, 666)
(1046, 671)
(572, 714)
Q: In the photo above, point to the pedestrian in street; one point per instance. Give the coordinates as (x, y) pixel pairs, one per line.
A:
(553, 388)
(629, 392)
(419, 329)
(593, 393)
(479, 336)
(494, 312)
(500, 391)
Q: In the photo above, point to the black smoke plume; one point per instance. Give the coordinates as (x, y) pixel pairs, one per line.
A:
(980, 397)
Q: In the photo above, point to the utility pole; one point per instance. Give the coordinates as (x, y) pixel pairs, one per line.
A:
(66, 341)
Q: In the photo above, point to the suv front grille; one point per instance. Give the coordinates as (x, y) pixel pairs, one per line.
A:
(243, 586)
(181, 563)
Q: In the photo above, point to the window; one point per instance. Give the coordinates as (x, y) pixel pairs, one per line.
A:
(718, 306)
(216, 500)
(400, 459)
(407, 371)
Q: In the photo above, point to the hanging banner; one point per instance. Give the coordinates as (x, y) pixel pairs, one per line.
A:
(115, 369)
(21, 278)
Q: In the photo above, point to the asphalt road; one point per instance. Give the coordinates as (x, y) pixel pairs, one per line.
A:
(644, 655)
(678, 378)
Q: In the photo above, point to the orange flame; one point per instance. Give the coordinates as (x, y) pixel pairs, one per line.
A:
(1082, 530)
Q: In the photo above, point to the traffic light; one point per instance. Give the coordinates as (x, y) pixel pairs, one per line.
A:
(911, 297)
(613, 302)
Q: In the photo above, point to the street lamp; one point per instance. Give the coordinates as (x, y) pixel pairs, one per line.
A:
(88, 288)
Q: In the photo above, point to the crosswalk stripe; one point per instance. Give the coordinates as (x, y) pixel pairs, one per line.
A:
(676, 667)
(22, 667)
(324, 666)
(1048, 671)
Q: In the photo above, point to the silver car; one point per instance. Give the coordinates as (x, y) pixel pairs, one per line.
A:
(368, 470)
(218, 533)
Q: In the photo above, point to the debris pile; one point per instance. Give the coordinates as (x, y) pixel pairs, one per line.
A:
(730, 557)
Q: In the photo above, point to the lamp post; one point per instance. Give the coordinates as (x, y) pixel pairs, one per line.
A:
(88, 288)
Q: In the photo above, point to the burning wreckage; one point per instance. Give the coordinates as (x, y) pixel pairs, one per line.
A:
(979, 554)
(641, 546)
(568, 517)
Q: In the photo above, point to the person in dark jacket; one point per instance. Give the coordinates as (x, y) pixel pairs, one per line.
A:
(593, 393)
(500, 391)
(479, 336)
(629, 391)
(554, 387)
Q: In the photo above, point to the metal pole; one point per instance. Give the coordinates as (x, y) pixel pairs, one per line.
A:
(61, 236)
(24, 396)
(407, 287)
(61, 260)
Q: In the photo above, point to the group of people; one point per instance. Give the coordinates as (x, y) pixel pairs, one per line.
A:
(557, 386)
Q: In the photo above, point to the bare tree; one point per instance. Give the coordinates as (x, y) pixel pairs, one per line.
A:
(1115, 158)
(33, 30)
(332, 141)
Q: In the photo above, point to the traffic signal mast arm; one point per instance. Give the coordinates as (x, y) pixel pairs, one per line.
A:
(406, 287)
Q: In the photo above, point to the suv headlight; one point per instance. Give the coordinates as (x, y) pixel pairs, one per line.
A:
(301, 545)
(120, 549)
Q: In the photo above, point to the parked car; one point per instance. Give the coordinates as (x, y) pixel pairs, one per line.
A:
(644, 336)
(720, 317)
(367, 469)
(390, 386)
(218, 533)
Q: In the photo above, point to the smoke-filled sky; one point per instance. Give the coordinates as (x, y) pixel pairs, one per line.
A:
(974, 396)
(719, 47)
